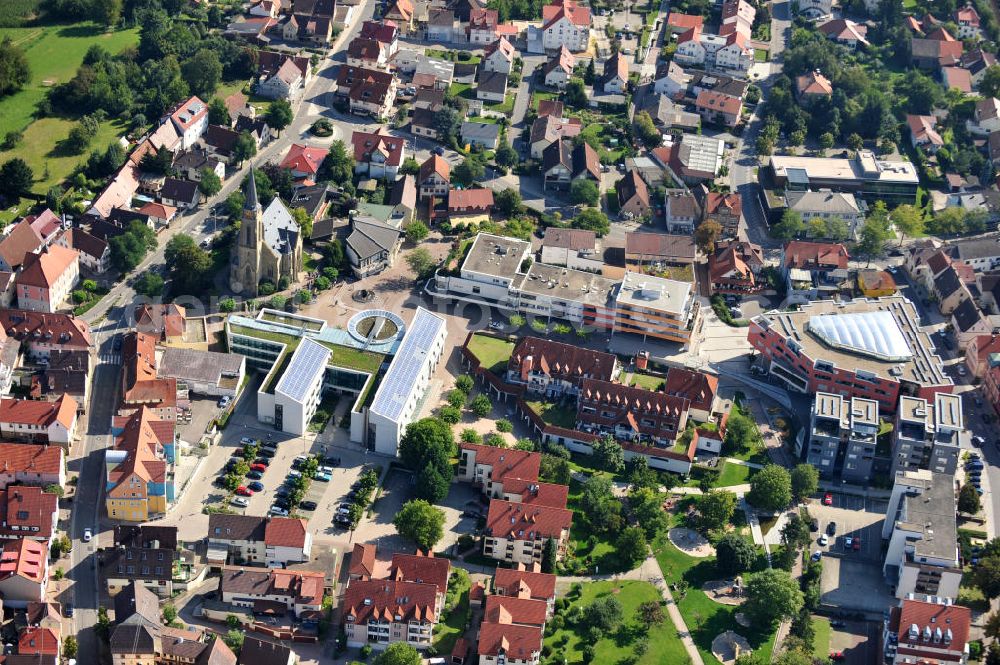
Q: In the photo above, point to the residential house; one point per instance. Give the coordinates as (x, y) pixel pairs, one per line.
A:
(681, 211)
(190, 119)
(403, 199)
(181, 194)
(19, 243)
(565, 23)
(985, 117)
(956, 78)
(362, 562)
(145, 555)
(26, 464)
(518, 533)
(811, 87)
(384, 32)
(978, 353)
(40, 334)
(925, 628)
(718, 108)
(482, 26)
(139, 469)
(876, 283)
(678, 23)
(549, 129)
(968, 323)
(950, 290)
(658, 249)
(273, 541)
(304, 161)
(140, 385)
(367, 53)
(977, 61)
(733, 268)
(935, 50)
(967, 20)
(39, 422)
(400, 12)
(845, 32)
(28, 512)
(526, 582)
(470, 203)
(378, 155)
(46, 224)
(256, 651)
(563, 163)
(820, 260)
(433, 73)
(492, 87)
(191, 165)
(372, 247)
(573, 248)
(498, 56)
(47, 279)
(381, 612)
(631, 413)
(615, 79)
(828, 205)
(423, 122)
(558, 69)
(299, 593)
(441, 25)
(699, 389)
(505, 641)
(554, 369)
(923, 132)
(69, 373)
(434, 179)
(815, 9)
(486, 135)
(429, 99)
(24, 572)
(286, 82)
(633, 196)
(726, 210)
(695, 159)
(368, 91)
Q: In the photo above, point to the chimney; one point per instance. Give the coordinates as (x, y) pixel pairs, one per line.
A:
(642, 360)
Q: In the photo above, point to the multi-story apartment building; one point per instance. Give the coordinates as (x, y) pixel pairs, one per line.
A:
(273, 541)
(526, 582)
(873, 349)
(139, 469)
(842, 435)
(37, 421)
(508, 474)
(517, 533)
(927, 434)
(299, 592)
(147, 555)
(381, 612)
(47, 279)
(566, 24)
(922, 555)
(654, 307)
(31, 464)
(630, 413)
(927, 629)
(553, 369)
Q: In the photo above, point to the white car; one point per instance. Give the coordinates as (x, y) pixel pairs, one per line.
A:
(247, 441)
(823, 540)
(280, 512)
(961, 370)
(328, 470)
(240, 501)
(87, 535)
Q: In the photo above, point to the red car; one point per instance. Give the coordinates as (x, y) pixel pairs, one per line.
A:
(243, 491)
(827, 499)
(258, 467)
(836, 655)
(856, 545)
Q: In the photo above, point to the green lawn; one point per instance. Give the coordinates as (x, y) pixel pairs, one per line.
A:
(54, 53)
(554, 414)
(821, 641)
(733, 474)
(664, 646)
(588, 547)
(597, 133)
(704, 617)
(539, 95)
(462, 90)
(647, 381)
(507, 106)
(447, 632)
(341, 356)
(491, 352)
(759, 55)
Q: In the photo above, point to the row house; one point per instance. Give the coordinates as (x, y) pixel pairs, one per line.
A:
(141, 385)
(31, 464)
(518, 533)
(297, 592)
(526, 581)
(273, 541)
(38, 421)
(41, 333)
(511, 631)
(553, 369)
(630, 413)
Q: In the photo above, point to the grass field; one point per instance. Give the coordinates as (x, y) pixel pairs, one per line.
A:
(647, 381)
(587, 545)
(821, 639)
(664, 646)
(733, 474)
(492, 353)
(554, 414)
(54, 54)
(704, 617)
(17, 12)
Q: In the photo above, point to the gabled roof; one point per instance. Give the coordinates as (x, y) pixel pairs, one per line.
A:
(524, 583)
(367, 144)
(659, 245)
(947, 283)
(709, 100)
(45, 328)
(616, 67)
(382, 31)
(718, 203)
(304, 158)
(285, 532)
(37, 413)
(258, 651)
(44, 270)
(45, 224)
(362, 560)
(517, 521)
(434, 165)
(188, 113)
(179, 190)
(568, 9)
(563, 60)
(30, 458)
(364, 49)
(967, 315)
(424, 569)
(632, 186)
(158, 210)
(515, 642)
(23, 558)
(685, 21)
(506, 462)
(368, 239)
(384, 600)
(930, 619)
(958, 78)
(21, 241)
(558, 153)
(477, 199)
(493, 82)
(502, 46)
(813, 83)
(922, 127)
(840, 29)
(586, 161)
(574, 239)
(697, 387)
(561, 360)
(27, 510)
(236, 527)
(810, 255)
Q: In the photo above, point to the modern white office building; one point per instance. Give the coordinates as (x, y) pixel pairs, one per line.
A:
(403, 387)
(297, 394)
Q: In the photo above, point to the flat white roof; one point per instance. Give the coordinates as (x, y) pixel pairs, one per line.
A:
(665, 295)
(308, 362)
(407, 364)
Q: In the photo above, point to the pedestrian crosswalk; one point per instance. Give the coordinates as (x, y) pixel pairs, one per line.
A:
(111, 357)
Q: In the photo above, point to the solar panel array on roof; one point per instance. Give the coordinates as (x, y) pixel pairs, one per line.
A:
(407, 364)
(307, 362)
(871, 333)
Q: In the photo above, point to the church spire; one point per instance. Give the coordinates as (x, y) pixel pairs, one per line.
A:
(250, 193)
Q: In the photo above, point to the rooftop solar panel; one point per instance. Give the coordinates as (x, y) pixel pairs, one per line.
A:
(308, 361)
(407, 364)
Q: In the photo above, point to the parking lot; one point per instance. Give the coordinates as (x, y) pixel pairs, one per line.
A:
(852, 578)
(858, 641)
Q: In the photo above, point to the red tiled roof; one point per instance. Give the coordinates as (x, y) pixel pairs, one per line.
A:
(814, 83)
(434, 164)
(534, 492)
(285, 532)
(420, 568)
(660, 245)
(922, 127)
(938, 262)
(383, 31)
(25, 509)
(303, 158)
(802, 254)
(189, 112)
(936, 617)
(516, 521)
(506, 462)
(42, 327)
(560, 360)
(511, 609)
(579, 16)
(35, 640)
(719, 203)
(142, 439)
(30, 458)
(367, 600)
(684, 21)
(158, 210)
(44, 270)
(362, 560)
(24, 558)
(45, 224)
(717, 101)
(38, 413)
(985, 345)
(524, 584)
(477, 199)
(366, 144)
(699, 388)
(522, 643)
(19, 243)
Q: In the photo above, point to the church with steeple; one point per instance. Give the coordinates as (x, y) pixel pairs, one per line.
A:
(269, 246)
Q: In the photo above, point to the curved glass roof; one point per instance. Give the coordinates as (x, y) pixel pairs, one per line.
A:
(874, 334)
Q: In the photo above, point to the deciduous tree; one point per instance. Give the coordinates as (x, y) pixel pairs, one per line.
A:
(420, 522)
(771, 488)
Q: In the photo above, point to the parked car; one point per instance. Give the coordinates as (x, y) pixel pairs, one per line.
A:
(814, 524)
(283, 502)
(323, 477)
(257, 466)
(266, 452)
(247, 441)
(307, 505)
(88, 534)
(823, 540)
(978, 441)
(848, 542)
(856, 545)
(68, 610)
(262, 461)
(279, 512)
(831, 528)
(827, 499)
(294, 474)
(224, 401)
(332, 461)
(326, 469)
(240, 501)
(243, 491)
(816, 556)
(256, 486)
(255, 475)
